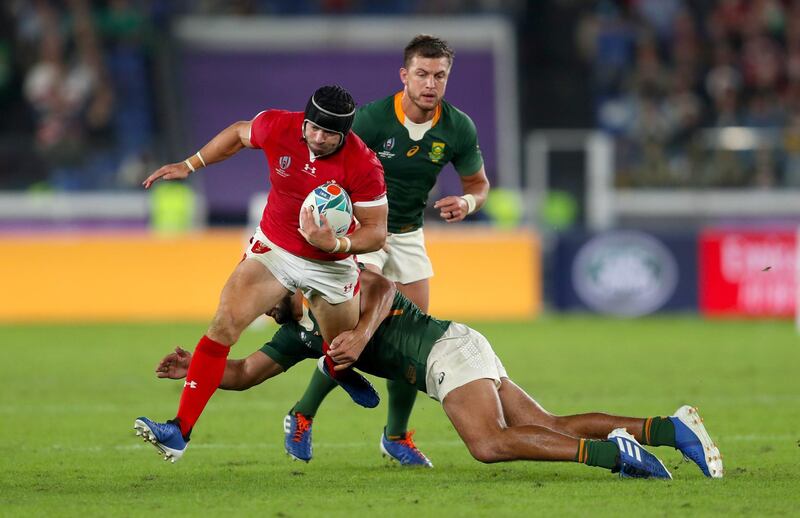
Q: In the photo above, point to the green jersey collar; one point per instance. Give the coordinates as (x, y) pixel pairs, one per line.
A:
(401, 116)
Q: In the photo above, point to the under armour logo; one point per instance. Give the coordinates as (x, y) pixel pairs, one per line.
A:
(193, 384)
(310, 170)
(441, 378)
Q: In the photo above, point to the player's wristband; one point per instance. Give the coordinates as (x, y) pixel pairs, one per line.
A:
(191, 167)
(347, 244)
(471, 203)
(336, 248)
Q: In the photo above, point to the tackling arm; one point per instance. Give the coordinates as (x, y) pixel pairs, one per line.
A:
(377, 295)
(239, 374)
(249, 372)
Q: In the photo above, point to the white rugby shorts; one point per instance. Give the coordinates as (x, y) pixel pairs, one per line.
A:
(334, 281)
(406, 260)
(460, 356)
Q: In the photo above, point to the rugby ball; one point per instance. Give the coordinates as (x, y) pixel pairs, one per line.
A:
(334, 203)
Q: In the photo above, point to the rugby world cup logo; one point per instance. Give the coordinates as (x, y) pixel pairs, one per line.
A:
(388, 145)
(283, 164)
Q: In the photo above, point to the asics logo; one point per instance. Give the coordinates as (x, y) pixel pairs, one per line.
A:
(190, 384)
(629, 448)
(441, 377)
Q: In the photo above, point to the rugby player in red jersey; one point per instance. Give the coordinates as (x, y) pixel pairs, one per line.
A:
(303, 150)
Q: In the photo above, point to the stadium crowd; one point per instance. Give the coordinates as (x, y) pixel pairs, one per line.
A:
(665, 71)
(69, 66)
(79, 81)
(666, 75)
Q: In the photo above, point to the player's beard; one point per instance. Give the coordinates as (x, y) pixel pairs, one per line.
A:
(322, 150)
(423, 103)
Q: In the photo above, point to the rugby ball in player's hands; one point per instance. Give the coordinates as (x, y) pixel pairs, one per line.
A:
(330, 200)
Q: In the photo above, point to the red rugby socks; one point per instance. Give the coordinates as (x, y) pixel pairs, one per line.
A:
(202, 380)
(330, 363)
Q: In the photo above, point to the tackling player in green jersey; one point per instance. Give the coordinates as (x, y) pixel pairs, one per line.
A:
(414, 133)
(455, 365)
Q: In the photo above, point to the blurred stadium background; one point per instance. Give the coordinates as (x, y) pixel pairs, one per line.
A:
(645, 155)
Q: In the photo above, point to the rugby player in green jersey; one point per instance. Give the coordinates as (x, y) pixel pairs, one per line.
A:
(455, 365)
(414, 133)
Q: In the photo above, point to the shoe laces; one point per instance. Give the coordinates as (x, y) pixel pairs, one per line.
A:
(303, 425)
(408, 442)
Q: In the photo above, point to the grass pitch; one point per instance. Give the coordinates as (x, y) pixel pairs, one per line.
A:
(70, 395)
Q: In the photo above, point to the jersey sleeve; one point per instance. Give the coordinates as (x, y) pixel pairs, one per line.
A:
(261, 127)
(368, 187)
(286, 348)
(363, 126)
(468, 159)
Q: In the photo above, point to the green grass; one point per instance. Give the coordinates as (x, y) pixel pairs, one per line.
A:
(70, 394)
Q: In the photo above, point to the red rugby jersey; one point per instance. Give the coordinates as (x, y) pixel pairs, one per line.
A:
(293, 173)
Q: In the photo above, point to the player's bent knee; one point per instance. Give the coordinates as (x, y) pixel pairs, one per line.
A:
(486, 450)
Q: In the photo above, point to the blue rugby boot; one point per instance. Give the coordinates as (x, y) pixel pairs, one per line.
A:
(297, 436)
(357, 386)
(403, 450)
(166, 437)
(693, 441)
(634, 460)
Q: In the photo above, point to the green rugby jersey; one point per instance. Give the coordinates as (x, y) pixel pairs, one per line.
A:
(411, 167)
(398, 350)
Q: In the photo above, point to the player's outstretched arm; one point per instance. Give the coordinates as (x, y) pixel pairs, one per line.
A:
(239, 374)
(377, 295)
(227, 143)
(455, 208)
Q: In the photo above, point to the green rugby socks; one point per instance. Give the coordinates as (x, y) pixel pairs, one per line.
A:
(597, 453)
(315, 393)
(658, 431)
(401, 402)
